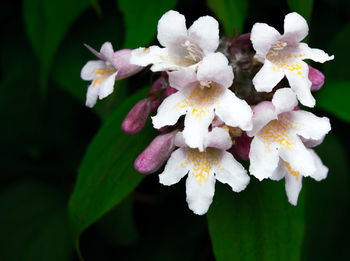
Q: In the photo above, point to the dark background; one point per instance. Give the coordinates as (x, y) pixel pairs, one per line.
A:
(45, 130)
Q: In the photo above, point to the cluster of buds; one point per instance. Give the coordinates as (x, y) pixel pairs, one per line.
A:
(219, 101)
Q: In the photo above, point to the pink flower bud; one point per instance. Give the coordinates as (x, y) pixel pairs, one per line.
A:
(170, 90)
(242, 146)
(137, 117)
(121, 62)
(155, 155)
(244, 40)
(316, 78)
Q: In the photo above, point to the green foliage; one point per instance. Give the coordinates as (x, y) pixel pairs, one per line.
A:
(334, 97)
(106, 175)
(47, 22)
(303, 7)
(256, 224)
(141, 19)
(33, 223)
(231, 14)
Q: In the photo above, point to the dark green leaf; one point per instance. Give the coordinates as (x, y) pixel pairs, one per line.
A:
(106, 174)
(303, 7)
(141, 19)
(231, 14)
(334, 97)
(47, 22)
(33, 224)
(256, 224)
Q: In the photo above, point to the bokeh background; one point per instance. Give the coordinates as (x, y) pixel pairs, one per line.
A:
(53, 148)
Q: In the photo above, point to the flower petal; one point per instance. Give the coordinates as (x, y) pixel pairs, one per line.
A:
(121, 61)
(205, 33)
(279, 172)
(88, 72)
(293, 186)
(321, 170)
(231, 172)
(182, 78)
(214, 67)
(284, 100)
(200, 196)
(263, 160)
(107, 51)
(91, 95)
(300, 83)
(314, 54)
(169, 111)
(107, 86)
(196, 128)
(295, 28)
(174, 171)
(264, 112)
(218, 138)
(268, 77)
(234, 111)
(309, 125)
(171, 28)
(262, 37)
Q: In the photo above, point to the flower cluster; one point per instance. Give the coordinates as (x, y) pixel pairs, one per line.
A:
(218, 101)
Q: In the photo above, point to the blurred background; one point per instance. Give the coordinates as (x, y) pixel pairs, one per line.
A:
(48, 149)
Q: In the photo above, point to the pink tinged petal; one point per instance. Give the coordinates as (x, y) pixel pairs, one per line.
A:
(107, 86)
(171, 28)
(263, 113)
(268, 77)
(263, 159)
(284, 100)
(314, 54)
(96, 53)
(157, 85)
(231, 172)
(196, 128)
(293, 187)
(205, 33)
(182, 78)
(218, 138)
(309, 125)
(92, 95)
(169, 111)
(174, 170)
(137, 117)
(234, 111)
(316, 78)
(299, 158)
(107, 51)
(214, 67)
(311, 143)
(321, 170)
(300, 83)
(170, 90)
(295, 28)
(88, 72)
(121, 61)
(200, 196)
(262, 37)
(155, 155)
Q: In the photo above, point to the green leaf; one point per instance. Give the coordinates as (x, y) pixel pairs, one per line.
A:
(256, 224)
(47, 22)
(334, 97)
(106, 174)
(303, 7)
(231, 14)
(33, 224)
(141, 19)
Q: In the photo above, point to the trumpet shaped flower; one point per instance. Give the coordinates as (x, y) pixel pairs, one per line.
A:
(281, 133)
(200, 97)
(204, 168)
(283, 55)
(182, 47)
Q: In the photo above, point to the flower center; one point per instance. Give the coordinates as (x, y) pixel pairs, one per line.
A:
(194, 53)
(276, 51)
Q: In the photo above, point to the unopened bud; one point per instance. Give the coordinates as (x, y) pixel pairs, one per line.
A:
(244, 40)
(316, 78)
(137, 117)
(170, 90)
(242, 146)
(155, 155)
(121, 62)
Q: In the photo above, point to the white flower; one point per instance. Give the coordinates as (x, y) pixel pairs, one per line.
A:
(103, 73)
(200, 97)
(293, 179)
(281, 133)
(204, 168)
(183, 47)
(283, 55)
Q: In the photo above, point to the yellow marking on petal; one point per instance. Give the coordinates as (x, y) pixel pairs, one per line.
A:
(98, 80)
(289, 168)
(105, 71)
